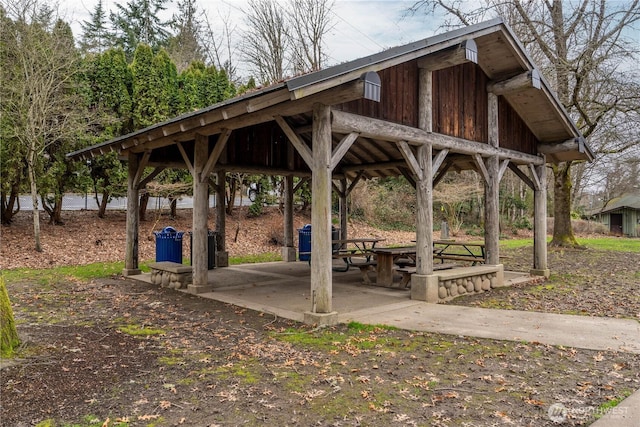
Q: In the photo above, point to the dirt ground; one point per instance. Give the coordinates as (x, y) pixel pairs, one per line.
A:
(115, 352)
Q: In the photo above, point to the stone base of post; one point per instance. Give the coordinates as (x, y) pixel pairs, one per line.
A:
(288, 253)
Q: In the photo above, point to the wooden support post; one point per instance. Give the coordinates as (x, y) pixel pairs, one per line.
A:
(491, 211)
(222, 256)
(424, 220)
(491, 171)
(321, 275)
(424, 285)
(199, 250)
(288, 250)
(133, 217)
(540, 267)
(344, 193)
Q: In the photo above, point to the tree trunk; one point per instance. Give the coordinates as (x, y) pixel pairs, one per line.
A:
(142, 208)
(57, 211)
(8, 211)
(173, 206)
(562, 230)
(54, 211)
(102, 207)
(34, 200)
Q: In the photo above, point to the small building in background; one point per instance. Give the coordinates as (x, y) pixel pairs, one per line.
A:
(621, 215)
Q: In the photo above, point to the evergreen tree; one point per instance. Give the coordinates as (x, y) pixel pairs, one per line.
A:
(139, 22)
(95, 32)
(110, 100)
(146, 110)
(166, 77)
(185, 48)
(190, 82)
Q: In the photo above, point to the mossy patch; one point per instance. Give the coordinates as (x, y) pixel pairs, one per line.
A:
(138, 330)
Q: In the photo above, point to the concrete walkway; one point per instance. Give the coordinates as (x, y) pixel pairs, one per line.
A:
(283, 289)
(593, 333)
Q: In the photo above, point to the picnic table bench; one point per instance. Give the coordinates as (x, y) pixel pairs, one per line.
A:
(459, 251)
(347, 249)
(170, 274)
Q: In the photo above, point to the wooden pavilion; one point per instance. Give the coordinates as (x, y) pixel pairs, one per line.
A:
(467, 99)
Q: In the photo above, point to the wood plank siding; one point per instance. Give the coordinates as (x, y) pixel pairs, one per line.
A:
(514, 133)
(398, 99)
(460, 110)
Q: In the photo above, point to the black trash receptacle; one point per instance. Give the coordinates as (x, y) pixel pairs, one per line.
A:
(335, 235)
(169, 245)
(211, 249)
(304, 243)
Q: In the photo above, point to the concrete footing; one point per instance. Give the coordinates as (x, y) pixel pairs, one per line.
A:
(222, 259)
(288, 253)
(321, 319)
(424, 287)
(540, 272)
(131, 271)
(199, 289)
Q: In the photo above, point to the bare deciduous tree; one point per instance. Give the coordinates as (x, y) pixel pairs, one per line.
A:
(584, 48)
(310, 21)
(219, 47)
(265, 43)
(39, 67)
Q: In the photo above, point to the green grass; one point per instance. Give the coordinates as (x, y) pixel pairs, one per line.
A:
(358, 335)
(257, 258)
(59, 274)
(137, 330)
(615, 244)
(608, 405)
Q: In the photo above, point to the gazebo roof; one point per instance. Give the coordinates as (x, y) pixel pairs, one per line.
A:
(499, 55)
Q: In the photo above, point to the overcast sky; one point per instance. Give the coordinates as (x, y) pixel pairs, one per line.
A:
(361, 27)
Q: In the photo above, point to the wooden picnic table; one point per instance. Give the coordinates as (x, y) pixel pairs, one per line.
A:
(386, 257)
(459, 251)
(346, 249)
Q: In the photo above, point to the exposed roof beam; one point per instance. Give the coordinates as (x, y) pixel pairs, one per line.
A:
(467, 51)
(482, 168)
(383, 130)
(215, 154)
(523, 176)
(147, 179)
(530, 79)
(374, 166)
(342, 148)
(410, 157)
(185, 157)
(437, 161)
(302, 148)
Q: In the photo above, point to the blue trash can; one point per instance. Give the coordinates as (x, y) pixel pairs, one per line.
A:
(169, 245)
(304, 243)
